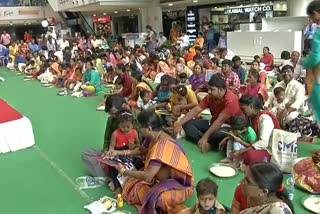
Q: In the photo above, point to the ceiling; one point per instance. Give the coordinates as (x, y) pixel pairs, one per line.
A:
(101, 7)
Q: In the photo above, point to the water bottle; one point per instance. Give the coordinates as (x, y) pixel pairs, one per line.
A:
(65, 92)
(265, 159)
(290, 186)
(119, 201)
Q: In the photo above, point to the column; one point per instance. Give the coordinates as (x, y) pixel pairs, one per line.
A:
(297, 7)
(152, 15)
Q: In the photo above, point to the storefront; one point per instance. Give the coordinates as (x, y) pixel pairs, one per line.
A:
(102, 25)
(170, 18)
(246, 17)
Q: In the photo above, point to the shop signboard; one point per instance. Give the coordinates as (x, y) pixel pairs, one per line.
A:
(253, 9)
(101, 19)
(192, 23)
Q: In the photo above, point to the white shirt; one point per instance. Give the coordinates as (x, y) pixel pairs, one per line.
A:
(96, 43)
(183, 41)
(162, 40)
(63, 44)
(298, 70)
(229, 55)
(266, 128)
(294, 93)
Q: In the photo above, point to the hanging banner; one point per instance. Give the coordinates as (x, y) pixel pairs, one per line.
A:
(192, 23)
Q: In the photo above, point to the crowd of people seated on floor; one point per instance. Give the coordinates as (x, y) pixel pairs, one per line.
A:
(159, 94)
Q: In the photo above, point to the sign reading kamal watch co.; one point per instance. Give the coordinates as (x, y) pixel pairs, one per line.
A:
(264, 8)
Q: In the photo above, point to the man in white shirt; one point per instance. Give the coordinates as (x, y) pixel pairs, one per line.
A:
(294, 94)
(183, 41)
(162, 39)
(295, 63)
(63, 43)
(51, 33)
(96, 42)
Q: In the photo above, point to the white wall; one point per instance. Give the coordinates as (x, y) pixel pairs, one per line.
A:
(248, 44)
(284, 23)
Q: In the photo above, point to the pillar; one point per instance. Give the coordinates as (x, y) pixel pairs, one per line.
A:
(297, 7)
(152, 15)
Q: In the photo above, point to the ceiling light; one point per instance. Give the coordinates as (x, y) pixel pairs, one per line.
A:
(195, 1)
(104, 13)
(11, 24)
(115, 11)
(94, 14)
(241, 5)
(170, 4)
(128, 10)
(29, 23)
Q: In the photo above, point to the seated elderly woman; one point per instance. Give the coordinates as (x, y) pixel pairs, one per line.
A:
(167, 179)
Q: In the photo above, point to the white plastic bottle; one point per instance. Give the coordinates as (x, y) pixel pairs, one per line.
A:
(65, 92)
(290, 186)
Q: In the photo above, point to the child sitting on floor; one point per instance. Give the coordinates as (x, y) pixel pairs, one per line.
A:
(241, 137)
(183, 79)
(206, 199)
(118, 86)
(123, 138)
(32, 67)
(145, 100)
(10, 65)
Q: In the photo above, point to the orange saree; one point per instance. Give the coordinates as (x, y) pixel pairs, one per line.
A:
(166, 195)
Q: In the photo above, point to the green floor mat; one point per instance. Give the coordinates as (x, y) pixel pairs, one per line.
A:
(41, 179)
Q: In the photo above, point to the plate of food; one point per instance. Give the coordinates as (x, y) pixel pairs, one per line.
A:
(223, 170)
(103, 205)
(311, 203)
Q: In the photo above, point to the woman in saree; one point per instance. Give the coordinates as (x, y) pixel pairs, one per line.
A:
(198, 79)
(163, 67)
(263, 123)
(262, 185)
(312, 62)
(167, 179)
(263, 77)
(267, 59)
(99, 66)
(197, 43)
(254, 87)
(174, 33)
